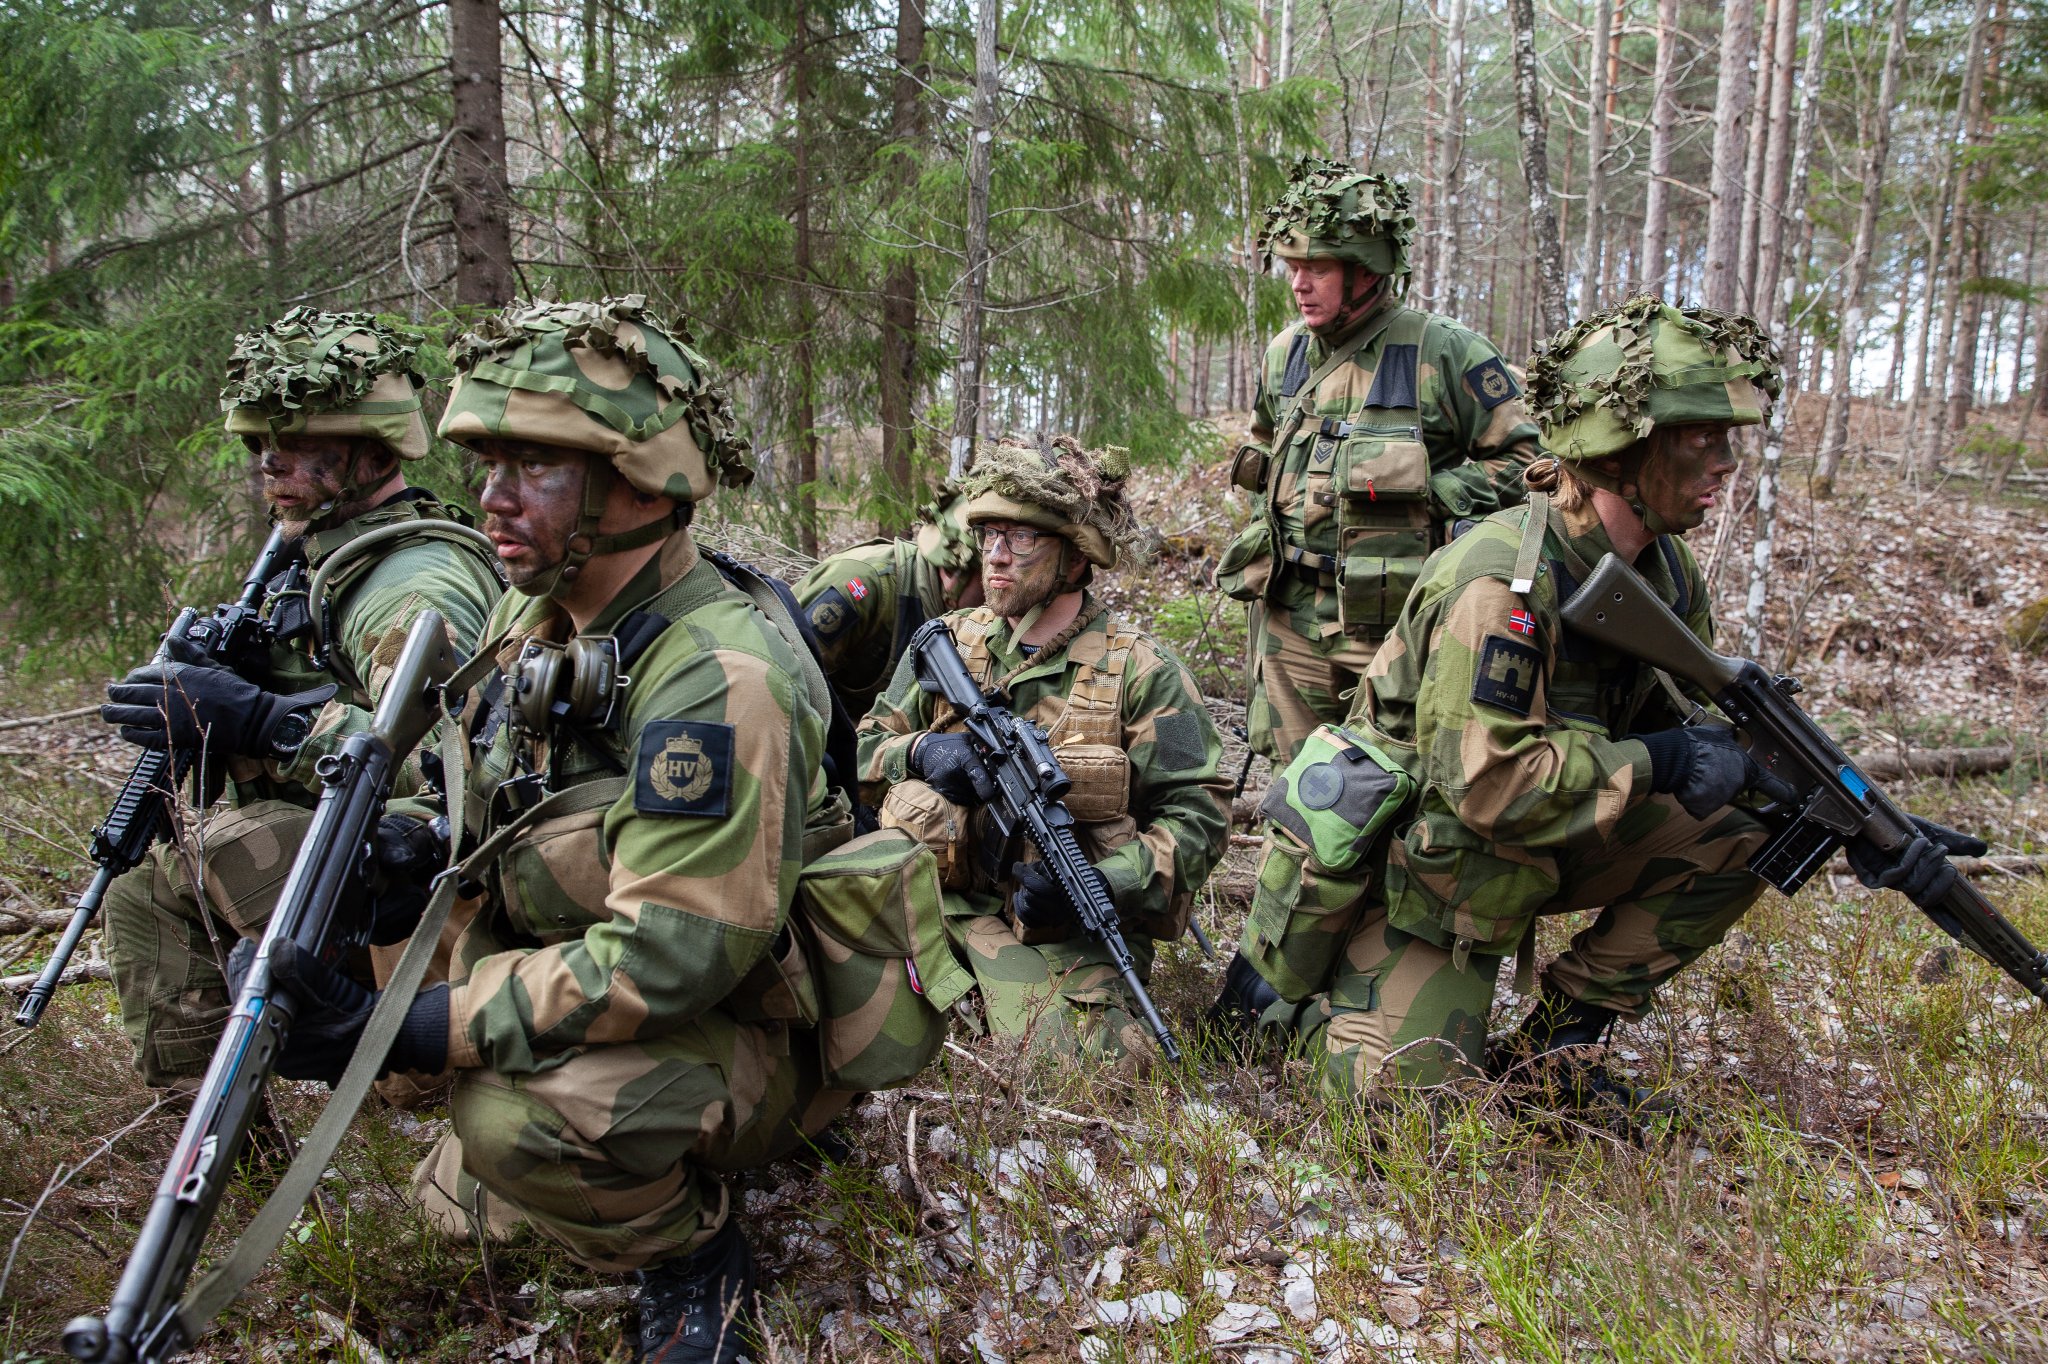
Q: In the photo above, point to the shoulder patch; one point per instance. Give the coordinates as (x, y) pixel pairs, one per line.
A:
(1507, 673)
(829, 615)
(857, 589)
(1491, 383)
(684, 767)
(1393, 382)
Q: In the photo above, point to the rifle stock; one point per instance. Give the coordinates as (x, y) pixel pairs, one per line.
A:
(1834, 802)
(1026, 792)
(141, 813)
(146, 1320)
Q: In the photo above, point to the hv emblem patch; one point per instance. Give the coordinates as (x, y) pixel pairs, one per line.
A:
(1491, 381)
(684, 768)
(830, 614)
(1507, 675)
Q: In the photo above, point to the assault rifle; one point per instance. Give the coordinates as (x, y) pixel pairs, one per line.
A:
(235, 633)
(146, 1321)
(1834, 802)
(1025, 793)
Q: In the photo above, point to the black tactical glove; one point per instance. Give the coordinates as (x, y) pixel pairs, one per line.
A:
(1919, 869)
(1705, 768)
(334, 1010)
(191, 700)
(1040, 905)
(409, 853)
(951, 767)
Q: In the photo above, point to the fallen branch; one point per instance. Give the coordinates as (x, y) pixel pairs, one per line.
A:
(14, 921)
(1935, 762)
(31, 721)
(92, 970)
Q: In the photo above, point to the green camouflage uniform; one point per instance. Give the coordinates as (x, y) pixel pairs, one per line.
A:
(1532, 800)
(164, 952)
(627, 1012)
(1421, 426)
(1151, 809)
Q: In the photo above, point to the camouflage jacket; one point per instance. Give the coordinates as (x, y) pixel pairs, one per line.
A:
(863, 604)
(1513, 727)
(370, 602)
(661, 892)
(1125, 715)
(1422, 425)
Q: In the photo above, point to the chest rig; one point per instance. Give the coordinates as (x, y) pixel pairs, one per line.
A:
(1349, 502)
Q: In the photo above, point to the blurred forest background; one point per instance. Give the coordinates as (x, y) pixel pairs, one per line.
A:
(866, 209)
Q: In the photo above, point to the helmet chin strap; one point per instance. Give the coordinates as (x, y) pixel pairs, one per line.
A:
(585, 543)
(1059, 588)
(1606, 482)
(1353, 309)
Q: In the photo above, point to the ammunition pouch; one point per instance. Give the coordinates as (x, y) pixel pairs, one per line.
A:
(1247, 564)
(1250, 467)
(1383, 525)
(938, 824)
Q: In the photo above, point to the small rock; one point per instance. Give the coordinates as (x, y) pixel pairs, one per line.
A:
(1906, 1301)
(1913, 1178)
(1239, 1319)
(1113, 1312)
(1108, 1271)
(758, 1201)
(985, 1348)
(1270, 1354)
(1936, 965)
(2011, 1229)
(1096, 1350)
(1161, 1305)
(1402, 1309)
(1221, 1282)
(1298, 1296)
(942, 1141)
(1329, 1337)
(607, 1299)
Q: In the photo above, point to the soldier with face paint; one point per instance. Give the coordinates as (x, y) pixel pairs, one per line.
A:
(1376, 427)
(1125, 718)
(619, 1018)
(329, 404)
(864, 603)
(1549, 774)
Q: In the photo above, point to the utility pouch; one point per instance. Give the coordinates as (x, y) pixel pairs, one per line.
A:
(937, 823)
(1383, 525)
(1337, 795)
(1301, 917)
(780, 988)
(884, 972)
(1250, 467)
(1247, 564)
(1101, 777)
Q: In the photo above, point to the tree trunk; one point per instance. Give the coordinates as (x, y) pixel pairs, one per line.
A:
(271, 100)
(1753, 166)
(1596, 159)
(1769, 468)
(967, 379)
(1286, 65)
(1450, 159)
(1954, 188)
(1549, 253)
(1721, 288)
(1663, 120)
(806, 307)
(898, 376)
(477, 181)
(1249, 240)
(1877, 139)
(1777, 156)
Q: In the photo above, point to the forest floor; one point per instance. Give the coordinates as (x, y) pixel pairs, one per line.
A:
(1858, 1167)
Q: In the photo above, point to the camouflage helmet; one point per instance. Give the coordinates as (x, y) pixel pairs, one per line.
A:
(942, 535)
(1060, 486)
(1331, 211)
(314, 373)
(1600, 386)
(607, 378)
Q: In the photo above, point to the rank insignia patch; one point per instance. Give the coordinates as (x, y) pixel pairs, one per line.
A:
(857, 589)
(829, 615)
(1521, 622)
(684, 768)
(1492, 382)
(1506, 678)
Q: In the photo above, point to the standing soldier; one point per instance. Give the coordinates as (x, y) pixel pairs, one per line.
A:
(1375, 428)
(1550, 774)
(1126, 720)
(627, 1018)
(864, 603)
(329, 403)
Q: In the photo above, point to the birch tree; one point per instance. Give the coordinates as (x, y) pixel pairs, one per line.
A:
(1721, 288)
(1548, 255)
(980, 168)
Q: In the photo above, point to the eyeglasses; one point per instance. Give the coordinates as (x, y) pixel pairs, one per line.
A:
(1021, 541)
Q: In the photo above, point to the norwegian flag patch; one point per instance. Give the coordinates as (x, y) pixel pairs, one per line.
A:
(857, 589)
(1521, 622)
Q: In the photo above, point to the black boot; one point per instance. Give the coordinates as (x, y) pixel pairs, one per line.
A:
(1545, 1061)
(694, 1310)
(1246, 995)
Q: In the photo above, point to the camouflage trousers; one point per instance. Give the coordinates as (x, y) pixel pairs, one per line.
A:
(1667, 887)
(166, 952)
(1065, 996)
(616, 1151)
(1296, 683)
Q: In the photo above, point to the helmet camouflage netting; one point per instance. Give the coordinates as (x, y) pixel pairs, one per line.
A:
(1602, 385)
(1059, 485)
(327, 374)
(1336, 212)
(609, 378)
(942, 535)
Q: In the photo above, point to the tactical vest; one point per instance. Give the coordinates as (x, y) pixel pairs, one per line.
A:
(1363, 483)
